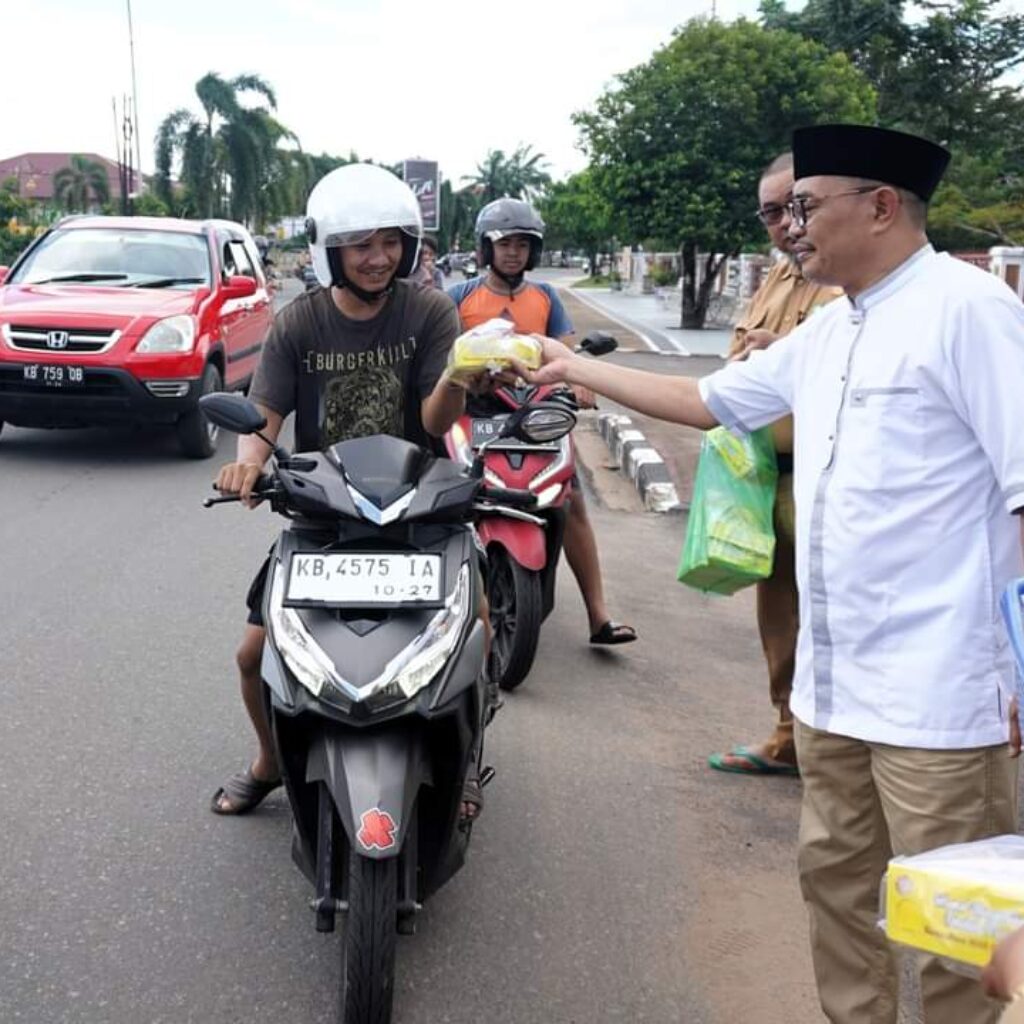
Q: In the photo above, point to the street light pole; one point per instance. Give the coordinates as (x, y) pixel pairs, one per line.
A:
(135, 94)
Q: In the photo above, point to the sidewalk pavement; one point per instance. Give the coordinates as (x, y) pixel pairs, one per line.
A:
(638, 446)
(655, 319)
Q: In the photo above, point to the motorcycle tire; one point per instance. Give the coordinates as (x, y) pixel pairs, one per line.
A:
(515, 599)
(371, 930)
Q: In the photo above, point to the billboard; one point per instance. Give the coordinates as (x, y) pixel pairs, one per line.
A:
(423, 178)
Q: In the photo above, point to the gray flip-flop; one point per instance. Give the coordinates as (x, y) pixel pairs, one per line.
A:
(244, 791)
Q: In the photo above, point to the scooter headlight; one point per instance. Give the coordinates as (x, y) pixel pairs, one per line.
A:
(427, 656)
(403, 677)
(302, 654)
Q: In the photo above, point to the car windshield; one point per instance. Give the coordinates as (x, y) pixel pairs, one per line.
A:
(117, 257)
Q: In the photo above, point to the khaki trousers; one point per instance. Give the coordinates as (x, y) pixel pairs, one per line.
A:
(778, 621)
(862, 803)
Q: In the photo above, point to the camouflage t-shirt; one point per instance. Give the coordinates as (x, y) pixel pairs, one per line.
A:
(347, 378)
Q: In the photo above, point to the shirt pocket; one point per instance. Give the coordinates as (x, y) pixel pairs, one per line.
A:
(885, 438)
(752, 322)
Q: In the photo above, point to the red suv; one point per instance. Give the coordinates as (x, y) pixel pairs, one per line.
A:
(127, 319)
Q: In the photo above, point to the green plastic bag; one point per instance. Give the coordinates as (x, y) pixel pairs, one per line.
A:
(730, 537)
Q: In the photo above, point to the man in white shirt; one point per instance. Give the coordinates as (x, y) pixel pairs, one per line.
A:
(908, 462)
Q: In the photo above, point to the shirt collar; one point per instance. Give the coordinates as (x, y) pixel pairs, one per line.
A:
(893, 281)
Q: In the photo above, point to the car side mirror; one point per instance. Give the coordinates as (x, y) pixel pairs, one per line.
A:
(4, 271)
(232, 412)
(239, 287)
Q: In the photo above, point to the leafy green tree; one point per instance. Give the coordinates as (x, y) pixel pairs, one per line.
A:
(13, 214)
(978, 205)
(578, 216)
(12, 206)
(872, 33)
(945, 76)
(149, 205)
(81, 184)
(234, 159)
(952, 84)
(678, 144)
(459, 208)
(521, 175)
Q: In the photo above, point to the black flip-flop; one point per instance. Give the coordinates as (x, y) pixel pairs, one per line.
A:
(613, 633)
(473, 795)
(244, 791)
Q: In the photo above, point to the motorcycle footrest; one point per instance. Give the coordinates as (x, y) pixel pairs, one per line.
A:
(325, 910)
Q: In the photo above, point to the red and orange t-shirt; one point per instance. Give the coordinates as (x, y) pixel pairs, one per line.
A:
(536, 309)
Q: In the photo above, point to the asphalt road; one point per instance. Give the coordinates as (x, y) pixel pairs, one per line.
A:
(612, 877)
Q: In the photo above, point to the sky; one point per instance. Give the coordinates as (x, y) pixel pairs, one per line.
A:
(389, 79)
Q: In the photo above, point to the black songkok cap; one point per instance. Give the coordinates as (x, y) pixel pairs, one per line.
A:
(878, 154)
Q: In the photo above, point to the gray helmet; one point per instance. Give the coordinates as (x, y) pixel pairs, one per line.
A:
(506, 217)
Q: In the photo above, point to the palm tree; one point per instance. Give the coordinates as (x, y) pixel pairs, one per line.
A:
(73, 186)
(521, 176)
(231, 158)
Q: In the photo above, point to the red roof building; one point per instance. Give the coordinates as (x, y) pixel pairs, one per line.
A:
(34, 173)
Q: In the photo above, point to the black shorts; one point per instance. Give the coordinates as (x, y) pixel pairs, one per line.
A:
(254, 599)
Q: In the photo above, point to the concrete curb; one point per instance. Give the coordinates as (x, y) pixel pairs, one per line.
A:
(640, 462)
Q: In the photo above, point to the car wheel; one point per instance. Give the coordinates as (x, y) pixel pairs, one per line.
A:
(196, 434)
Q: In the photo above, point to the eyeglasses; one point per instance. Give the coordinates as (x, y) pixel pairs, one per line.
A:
(772, 213)
(801, 207)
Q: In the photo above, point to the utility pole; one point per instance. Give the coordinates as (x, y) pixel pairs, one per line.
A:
(135, 94)
(121, 177)
(129, 175)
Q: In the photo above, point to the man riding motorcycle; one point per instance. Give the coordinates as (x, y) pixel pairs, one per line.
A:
(364, 354)
(510, 238)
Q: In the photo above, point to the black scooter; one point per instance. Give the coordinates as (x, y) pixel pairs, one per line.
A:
(373, 673)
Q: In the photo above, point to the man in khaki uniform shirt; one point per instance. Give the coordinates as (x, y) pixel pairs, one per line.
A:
(783, 301)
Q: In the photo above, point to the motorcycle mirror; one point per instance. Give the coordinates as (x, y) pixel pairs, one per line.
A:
(240, 416)
(544, 422)
(598, 343)
(232, 412)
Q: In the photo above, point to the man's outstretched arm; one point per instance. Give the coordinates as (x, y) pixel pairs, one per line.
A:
(672, 398)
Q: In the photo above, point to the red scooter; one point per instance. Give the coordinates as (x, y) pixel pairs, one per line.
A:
(523, 547)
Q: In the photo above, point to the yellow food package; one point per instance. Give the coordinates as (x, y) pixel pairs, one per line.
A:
(491, 346)
(957, 901)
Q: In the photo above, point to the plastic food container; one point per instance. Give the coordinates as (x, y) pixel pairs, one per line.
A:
(492, 346)
(956, 901)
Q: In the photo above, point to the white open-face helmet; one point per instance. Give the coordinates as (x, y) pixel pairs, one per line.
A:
(347, 206)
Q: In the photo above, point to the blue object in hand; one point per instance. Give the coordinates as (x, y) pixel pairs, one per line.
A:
(1013, 616)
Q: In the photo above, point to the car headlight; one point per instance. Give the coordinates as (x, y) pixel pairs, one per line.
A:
(174, 334)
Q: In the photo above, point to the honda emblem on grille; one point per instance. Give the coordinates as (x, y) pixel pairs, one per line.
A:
(57, 339)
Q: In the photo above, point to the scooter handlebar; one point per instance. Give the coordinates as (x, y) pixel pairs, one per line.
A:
(263, 486)
(509, 496)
